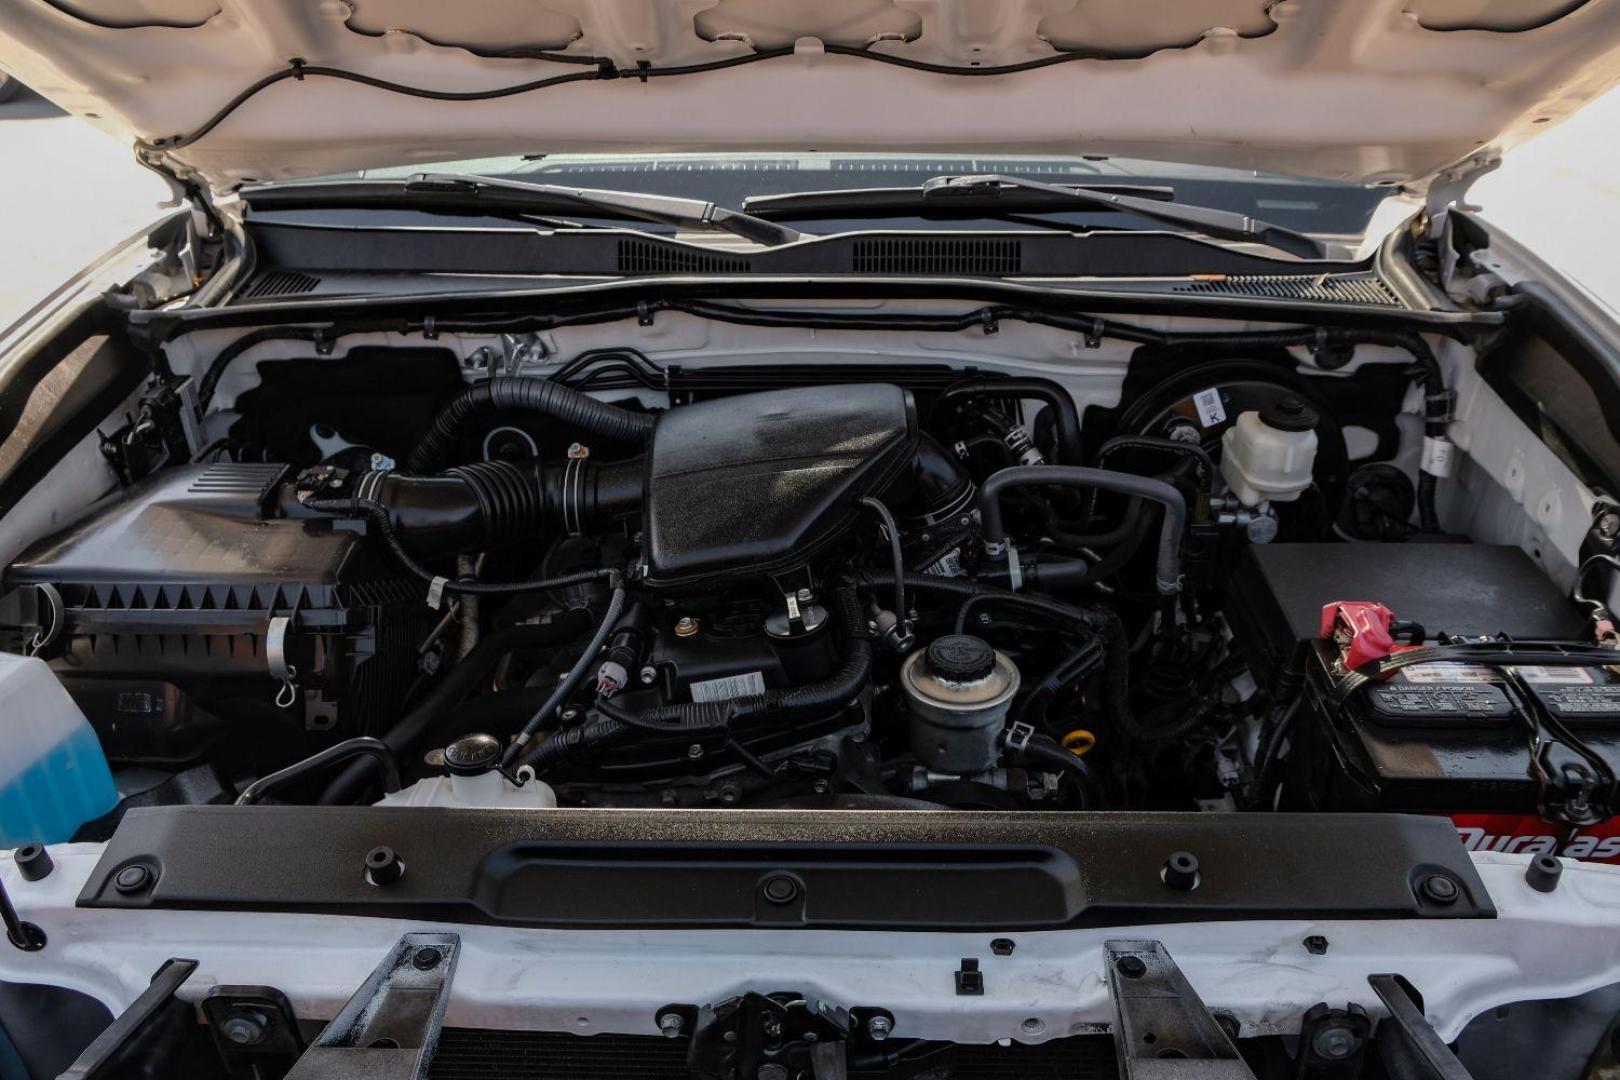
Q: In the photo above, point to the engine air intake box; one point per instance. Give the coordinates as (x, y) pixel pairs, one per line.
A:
(760, 483)
(178, 595)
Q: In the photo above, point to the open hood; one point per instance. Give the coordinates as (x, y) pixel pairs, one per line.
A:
(1425, 93)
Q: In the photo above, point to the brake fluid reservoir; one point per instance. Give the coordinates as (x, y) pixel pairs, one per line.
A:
(1268, 455)
(53, 775)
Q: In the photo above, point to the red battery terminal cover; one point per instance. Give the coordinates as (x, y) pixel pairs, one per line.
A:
(1361, 631)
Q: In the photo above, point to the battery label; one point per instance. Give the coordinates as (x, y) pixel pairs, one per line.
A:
(1528, 834)
(1453, 672)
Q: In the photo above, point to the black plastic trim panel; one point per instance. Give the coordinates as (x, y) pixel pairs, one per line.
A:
(825, 869)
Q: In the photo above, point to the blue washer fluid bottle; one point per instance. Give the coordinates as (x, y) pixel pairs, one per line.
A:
(53, 774)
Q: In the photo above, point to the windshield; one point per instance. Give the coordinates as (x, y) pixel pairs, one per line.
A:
(1321, 207)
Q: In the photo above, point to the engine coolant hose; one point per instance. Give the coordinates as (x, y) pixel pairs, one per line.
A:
(613, 723)
(1175, 507)
(569, 407)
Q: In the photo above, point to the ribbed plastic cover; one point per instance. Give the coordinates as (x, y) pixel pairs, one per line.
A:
(758, 482)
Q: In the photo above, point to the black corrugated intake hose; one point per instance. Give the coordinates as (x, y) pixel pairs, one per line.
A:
(569, 407)
(462, 678)
(613, 723)
(484, 505)
(379, 517)
(1175, 507)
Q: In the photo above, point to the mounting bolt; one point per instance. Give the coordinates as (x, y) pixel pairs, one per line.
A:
(383, 866)
(1333, 1042)
(879, 1027)
(243, 1029)
(1439, 889)
(694, 751)
(1132, 967)
(427, 958)
(686, 626)
(33, 862)
(672, 1025)
(649, 675)
(1541, 875)
(1608, 524)
(132, 879)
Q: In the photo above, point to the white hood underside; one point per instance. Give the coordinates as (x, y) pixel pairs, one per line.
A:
(1375, 91)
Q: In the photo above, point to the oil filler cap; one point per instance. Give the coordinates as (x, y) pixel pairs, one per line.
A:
(960, 658)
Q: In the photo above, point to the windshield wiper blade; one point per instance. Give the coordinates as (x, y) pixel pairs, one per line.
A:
(1220, 223)
(995, 194)
(667, 209)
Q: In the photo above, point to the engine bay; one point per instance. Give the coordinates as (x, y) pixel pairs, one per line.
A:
(405, 574)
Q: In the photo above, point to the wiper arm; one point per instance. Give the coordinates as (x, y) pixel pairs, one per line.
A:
(880, 202)
(1204, 219)
(668, 209)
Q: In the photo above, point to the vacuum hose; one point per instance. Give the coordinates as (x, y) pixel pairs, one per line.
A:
(1175, 507)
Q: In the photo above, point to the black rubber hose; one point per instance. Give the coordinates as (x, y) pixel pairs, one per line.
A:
(895, 556)
(569, 407)
(1065, 416)
(374, 749)
(1175, 507)
(575, 675)
(613, 722)
(462, 678)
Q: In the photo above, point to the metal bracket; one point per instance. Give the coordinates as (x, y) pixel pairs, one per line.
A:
(1416, 1044)
(390, 1028)
(104, 1057)
(778, 1035)
(1162, 1031)
(1449, 188)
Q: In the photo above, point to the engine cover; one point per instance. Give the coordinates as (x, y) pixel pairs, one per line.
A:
(758, 484)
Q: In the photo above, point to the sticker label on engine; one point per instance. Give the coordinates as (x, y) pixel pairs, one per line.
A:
(1210, 409)
(732, 686)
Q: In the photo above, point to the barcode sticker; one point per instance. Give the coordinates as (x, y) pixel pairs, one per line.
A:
(1210, 409)
(732, 686)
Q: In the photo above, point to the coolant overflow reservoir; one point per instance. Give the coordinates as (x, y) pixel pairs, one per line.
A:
(1268, 455)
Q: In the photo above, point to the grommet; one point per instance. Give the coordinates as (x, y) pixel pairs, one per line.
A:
(1440, 889)
(1544, 872)
(132, 879)
(779, 889)
(383, 866)
(33, 862)
(1181, 871)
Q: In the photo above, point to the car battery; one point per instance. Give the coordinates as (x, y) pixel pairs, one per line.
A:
(1456, 738)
